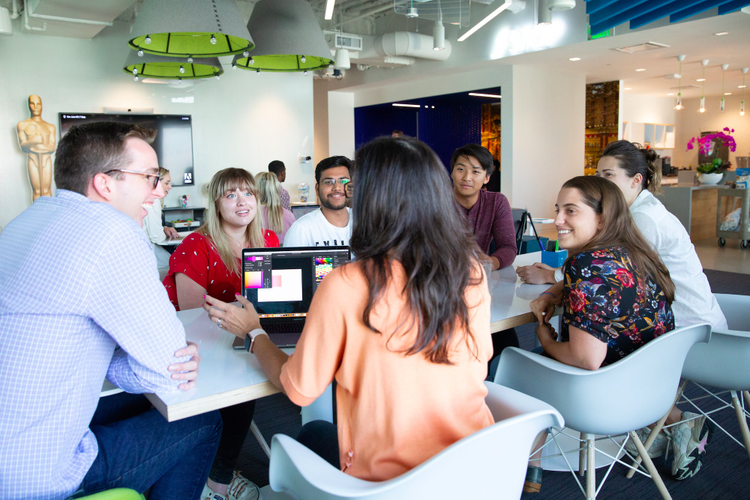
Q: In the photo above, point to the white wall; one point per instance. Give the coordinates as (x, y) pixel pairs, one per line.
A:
(243, 120)
(690, 123)
(648, 109)
(548, 127)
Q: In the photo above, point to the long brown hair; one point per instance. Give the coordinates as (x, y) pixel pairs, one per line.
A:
(223, 181)
(406, 211)
(618, 229)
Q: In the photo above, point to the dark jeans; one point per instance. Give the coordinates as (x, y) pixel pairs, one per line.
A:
(321, 437)
(139, 449)
(237, 421)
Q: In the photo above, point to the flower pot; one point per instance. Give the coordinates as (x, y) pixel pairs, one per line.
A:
(710, 178)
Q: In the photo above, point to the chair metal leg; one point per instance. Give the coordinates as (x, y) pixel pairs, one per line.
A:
(742, 421)
(591, 467)
(650, 467)
(747, 397)
(259, 437)
(582, 455)
(656, 430)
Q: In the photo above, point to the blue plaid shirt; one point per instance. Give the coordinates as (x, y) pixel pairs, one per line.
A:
(78, 280)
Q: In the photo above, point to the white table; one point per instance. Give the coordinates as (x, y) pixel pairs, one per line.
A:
(511, 298)
(228, 377)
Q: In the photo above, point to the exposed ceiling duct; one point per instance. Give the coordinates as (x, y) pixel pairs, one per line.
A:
(408, 44)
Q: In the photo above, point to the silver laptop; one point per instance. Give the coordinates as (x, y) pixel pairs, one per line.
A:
(281, 282)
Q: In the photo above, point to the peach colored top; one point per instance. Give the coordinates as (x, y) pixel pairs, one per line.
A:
(394, 410)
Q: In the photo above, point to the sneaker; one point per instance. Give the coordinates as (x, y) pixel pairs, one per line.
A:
(689, 440)
(657, 447)
(240, 488)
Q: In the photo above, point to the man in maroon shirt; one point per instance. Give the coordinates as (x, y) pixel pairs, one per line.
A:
(488, 213)
(489, 216)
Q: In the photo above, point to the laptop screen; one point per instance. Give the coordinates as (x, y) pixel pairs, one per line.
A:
(280, 282)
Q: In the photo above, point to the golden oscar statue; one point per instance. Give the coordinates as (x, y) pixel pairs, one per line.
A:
(37, 139)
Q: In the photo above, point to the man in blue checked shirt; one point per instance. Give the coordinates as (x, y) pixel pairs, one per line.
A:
(81, 300)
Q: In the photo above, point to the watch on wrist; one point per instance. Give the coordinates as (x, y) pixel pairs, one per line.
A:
(251, 336)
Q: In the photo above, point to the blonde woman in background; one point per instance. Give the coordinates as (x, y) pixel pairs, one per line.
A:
(208, 262)
(275, 217)
(157, 234)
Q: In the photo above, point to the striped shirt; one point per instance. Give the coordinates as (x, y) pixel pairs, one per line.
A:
(78, 280)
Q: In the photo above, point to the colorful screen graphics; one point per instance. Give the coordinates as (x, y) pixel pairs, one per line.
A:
(323, 266)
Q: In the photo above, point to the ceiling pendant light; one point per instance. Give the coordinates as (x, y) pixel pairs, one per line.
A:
(287, 37)
(723, 100)
(679, 86)
(183, 28)
(171, 68)
(543, 13)
(742, 102)
(438, 31)
(702, 109)
(341, 59)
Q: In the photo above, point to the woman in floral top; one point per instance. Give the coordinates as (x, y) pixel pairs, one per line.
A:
(616, 293)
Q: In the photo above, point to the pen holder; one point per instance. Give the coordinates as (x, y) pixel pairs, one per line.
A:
(554, 259)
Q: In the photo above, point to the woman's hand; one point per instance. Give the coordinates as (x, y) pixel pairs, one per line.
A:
(171, 233)
(536, 274)
(231, 318)
(543, 308)
(545, 333)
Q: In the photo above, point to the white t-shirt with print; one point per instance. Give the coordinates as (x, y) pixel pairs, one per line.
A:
(314, 230)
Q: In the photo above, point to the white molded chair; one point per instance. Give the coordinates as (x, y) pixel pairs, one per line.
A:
(492, 461)
(723, 362)
(616, 399)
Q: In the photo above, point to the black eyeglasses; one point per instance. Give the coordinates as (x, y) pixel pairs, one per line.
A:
(328, 182)
(155, 177)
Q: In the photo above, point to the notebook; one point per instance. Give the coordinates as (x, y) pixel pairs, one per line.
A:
(281, 282)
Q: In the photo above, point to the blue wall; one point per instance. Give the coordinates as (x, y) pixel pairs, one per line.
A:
(454, 121)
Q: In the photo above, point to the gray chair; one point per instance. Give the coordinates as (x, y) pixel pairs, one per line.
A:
(723, 363)
(616, 399)
(491, 462)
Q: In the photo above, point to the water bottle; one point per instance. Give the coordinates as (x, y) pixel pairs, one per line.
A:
(304, 192)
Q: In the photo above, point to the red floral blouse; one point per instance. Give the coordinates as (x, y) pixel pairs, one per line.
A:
(198, 259)
(606, 296)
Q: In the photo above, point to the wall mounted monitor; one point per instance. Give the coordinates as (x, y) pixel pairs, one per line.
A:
(173, 143)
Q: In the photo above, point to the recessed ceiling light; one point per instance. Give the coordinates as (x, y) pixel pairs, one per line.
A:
(701, 80)
(721, 33)
(574, 59)
(727, 93)
(641, 69)
(741, 86)
(671, 93)
(403, 105)
(479, 94)
(627, 88)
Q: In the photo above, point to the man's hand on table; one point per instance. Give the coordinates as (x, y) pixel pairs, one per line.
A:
(189, 369)
(171, 233)
(536, 274)
(236, 320)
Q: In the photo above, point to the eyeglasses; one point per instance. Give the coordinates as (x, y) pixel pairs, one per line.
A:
(155, 177)
(328, 182)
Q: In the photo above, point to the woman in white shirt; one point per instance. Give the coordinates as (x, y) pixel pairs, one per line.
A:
(158, 234)
(632, 168)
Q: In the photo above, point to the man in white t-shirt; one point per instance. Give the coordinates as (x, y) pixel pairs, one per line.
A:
(331, 225)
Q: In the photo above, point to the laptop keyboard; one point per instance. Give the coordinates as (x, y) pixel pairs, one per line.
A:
(283, 327)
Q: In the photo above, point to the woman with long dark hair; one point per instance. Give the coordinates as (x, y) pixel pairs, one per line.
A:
(404, 329)
(616, 292)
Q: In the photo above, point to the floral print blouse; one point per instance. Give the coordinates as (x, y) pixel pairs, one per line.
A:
(606, 296)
